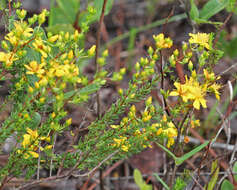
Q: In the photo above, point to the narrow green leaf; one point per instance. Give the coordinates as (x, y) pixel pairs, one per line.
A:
(168, 151)
(191, 153)
(203, 21)
(161, 181)
(226, 185)
(211, 8)
(194, 12)
(89, 89)
(132, 38)
(36, 119)
(215, 171)
(235, 170)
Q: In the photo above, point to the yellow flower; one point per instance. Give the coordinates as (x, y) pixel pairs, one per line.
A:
(124, 148)
(33, 134)
(91, 51)
(186, 139)
(208, 76)
(26, 140)
(53, 38)
(159, 131)
(19, 34)
(11, 38)
(22, 29)
(31, 143)
(162, 42)
(181, 90)
(195, 123)
(191, 90)
(200, 38)
(40, 47)
(171, 132)
(42, 16)
(114, 126)
(215, 88)
(197, 95)
(8, 58)
(33, 154)
(35, 68)
(170, 142)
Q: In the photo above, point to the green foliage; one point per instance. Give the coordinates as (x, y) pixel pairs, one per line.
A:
(3, 4)
(226, 184)
(215, 171)
(180, 160)
(161, 181)
(179, 184)
(229, 47)
(211, 8)
(139, 181)
(45, 74)
(67, 15)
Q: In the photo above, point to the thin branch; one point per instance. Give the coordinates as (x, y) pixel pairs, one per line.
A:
(51, 161)
(98, 68)
(98, 166)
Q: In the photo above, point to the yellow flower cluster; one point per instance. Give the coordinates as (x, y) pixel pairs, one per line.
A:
(18, 36)
(166, 128)
(63, 68)
(121, 142)
(147, 132)
(31, 143)
(162, 42)
(192, 90)
(201, 39)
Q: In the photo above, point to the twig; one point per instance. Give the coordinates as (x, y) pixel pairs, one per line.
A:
(221, 28)
(196, 182)
(173, 176)
(214, 144)
(51, 161)
(107, 172)
(229, 69)
(98, 166)
(38, 164)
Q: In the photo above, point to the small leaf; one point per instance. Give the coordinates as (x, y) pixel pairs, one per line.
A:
(215, 172)
(167, 151)
(36, 119)
(194, 12)
(89, 89)
(3, 4)
(138, 177)
(211, 8)
(226, 185)
(191, 153)
(98, 5)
